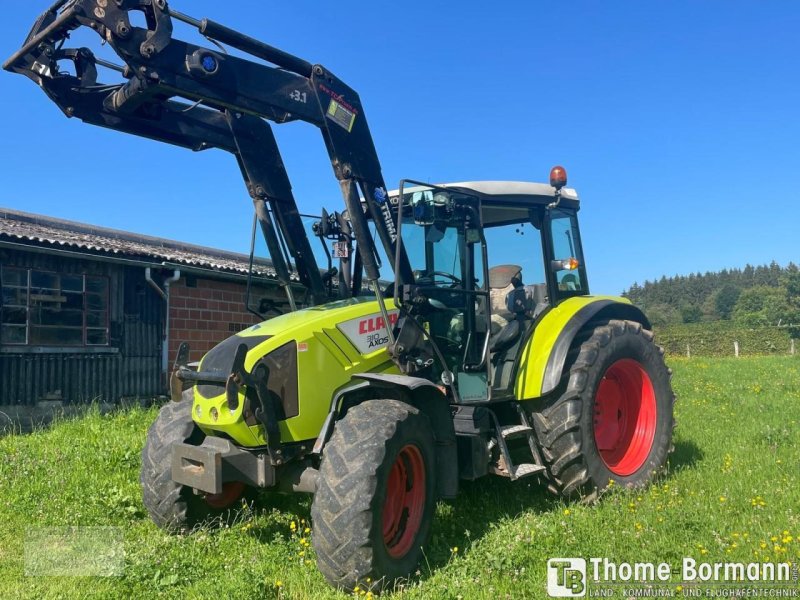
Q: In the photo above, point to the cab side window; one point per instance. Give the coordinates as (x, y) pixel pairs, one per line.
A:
(567, 252)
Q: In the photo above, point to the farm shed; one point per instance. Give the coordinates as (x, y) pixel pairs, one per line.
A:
(96, 314)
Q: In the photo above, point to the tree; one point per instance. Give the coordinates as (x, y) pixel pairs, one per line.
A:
(792, 283)
(726, 300)
(691, 313)
(761, 305)
(709, 308)
(662, 314)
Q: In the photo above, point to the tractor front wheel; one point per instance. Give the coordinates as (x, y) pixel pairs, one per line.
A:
(172, 506)
(612, 419)
(376, 495)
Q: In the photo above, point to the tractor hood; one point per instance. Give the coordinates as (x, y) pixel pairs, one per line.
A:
(309, 353)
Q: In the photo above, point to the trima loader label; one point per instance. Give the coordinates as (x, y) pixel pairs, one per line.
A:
(368, 333)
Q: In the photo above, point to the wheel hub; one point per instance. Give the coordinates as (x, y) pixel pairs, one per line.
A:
(405, 501)
(231, 492)
(625, 417)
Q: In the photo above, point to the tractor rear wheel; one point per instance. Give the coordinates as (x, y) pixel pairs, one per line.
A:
(172, 506)
(376, 495)
(612, 419)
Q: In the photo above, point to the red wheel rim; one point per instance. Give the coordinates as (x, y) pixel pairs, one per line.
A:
(625, 417)
(231, 492)
(405, 501)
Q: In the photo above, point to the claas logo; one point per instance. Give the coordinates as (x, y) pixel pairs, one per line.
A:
(374, 324)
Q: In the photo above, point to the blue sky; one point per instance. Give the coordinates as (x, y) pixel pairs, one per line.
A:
(677, 122)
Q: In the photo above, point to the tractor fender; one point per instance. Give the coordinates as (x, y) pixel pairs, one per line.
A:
(543, 359)
(420, 393)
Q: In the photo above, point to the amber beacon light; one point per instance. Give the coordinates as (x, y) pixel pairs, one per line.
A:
(558, 177)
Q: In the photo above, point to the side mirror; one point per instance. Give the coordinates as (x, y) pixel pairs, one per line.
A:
(567, 264)
(422, 206)
(430, 206)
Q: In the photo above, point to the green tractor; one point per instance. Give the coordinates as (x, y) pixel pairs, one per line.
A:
(457, 337)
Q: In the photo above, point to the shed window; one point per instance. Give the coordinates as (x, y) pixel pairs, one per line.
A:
(53, 309)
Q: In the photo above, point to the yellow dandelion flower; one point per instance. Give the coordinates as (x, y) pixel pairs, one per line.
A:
(278, 583)
(307, 530)
(566, 512)
(293, 526)
(722, 498)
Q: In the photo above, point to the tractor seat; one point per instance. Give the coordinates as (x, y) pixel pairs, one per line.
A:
(504, 280)
(524, 302)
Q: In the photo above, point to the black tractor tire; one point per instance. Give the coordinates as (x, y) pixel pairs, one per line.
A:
(376, 496)
(611, 419)
(172, 506)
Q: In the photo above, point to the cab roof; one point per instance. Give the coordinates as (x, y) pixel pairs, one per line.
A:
(542, 192)
(514, 192)
(505, 202)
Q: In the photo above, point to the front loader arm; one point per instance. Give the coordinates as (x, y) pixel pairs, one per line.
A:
(228, 99)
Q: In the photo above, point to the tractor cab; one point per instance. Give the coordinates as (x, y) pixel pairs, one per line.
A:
(489, 259)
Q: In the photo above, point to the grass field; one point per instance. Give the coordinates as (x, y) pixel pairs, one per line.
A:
(732, 493)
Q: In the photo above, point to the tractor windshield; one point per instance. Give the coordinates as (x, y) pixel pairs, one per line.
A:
(440, 231)
(438, 225)
(434, 252)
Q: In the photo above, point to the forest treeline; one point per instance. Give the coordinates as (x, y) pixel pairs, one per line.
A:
(766, 295)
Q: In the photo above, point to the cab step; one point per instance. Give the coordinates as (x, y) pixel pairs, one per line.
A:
(513, 431)
(517, 471)
(505, 466)
(524, 469)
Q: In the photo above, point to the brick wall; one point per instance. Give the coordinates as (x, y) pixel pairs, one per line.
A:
(208, 313)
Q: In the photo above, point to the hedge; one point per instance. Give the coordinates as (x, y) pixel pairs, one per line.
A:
(717, 339)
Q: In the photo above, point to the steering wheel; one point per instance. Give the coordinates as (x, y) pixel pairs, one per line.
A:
(449, 345)
(432, 274)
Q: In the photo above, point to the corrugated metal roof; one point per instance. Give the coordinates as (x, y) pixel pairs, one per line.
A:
(57, 233)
